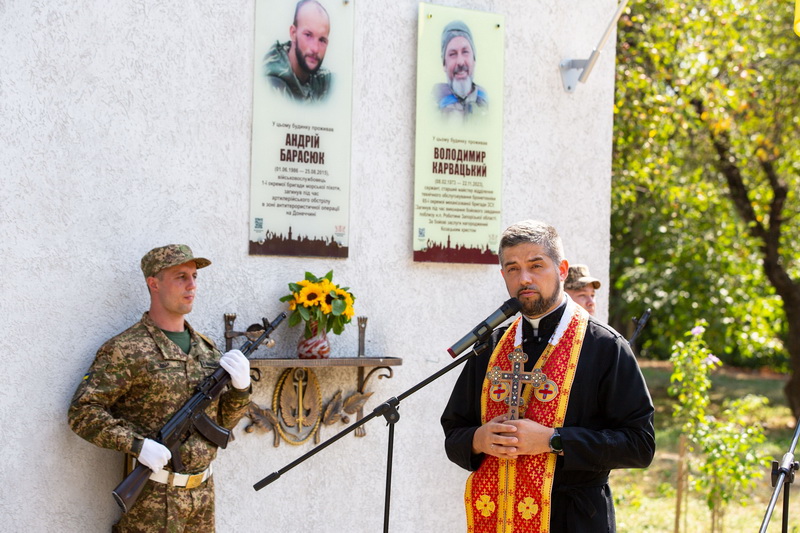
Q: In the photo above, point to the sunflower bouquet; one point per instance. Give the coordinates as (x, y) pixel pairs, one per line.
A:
(321, 304)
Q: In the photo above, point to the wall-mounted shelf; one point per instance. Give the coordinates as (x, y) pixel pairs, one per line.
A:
(298, 376)
(298, 413)
(293, 362)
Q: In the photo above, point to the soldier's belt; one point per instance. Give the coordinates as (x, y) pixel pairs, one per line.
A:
(188, 481)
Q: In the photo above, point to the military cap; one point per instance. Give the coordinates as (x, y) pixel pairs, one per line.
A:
(579, 276)
(167, 256)
(456, 29)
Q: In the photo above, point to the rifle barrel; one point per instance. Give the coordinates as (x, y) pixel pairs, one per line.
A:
(639, 326)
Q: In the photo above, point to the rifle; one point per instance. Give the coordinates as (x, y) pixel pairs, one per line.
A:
(639, 325)
(188, 419)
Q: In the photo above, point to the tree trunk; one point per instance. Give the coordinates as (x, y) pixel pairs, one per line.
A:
(792, 388)
(681, 481)
(768, 232)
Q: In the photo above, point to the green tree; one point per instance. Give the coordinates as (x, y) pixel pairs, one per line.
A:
(726, 442)
(706, 175)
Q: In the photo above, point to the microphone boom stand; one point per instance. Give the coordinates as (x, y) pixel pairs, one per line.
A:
(388, 410)
(782, 477)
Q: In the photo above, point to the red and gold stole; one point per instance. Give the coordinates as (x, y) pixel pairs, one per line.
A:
(505, 496)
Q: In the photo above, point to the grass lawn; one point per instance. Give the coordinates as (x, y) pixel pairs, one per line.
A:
(645, 499)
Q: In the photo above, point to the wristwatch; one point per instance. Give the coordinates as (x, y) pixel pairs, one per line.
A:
(555, 442)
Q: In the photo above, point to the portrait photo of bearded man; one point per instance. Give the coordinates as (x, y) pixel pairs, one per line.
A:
(460, 95)
(294, 68)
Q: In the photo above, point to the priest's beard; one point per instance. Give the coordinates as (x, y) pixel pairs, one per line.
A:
(542, 304)
(461, 88)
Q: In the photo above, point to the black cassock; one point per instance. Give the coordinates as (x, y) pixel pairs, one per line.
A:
(609, 422)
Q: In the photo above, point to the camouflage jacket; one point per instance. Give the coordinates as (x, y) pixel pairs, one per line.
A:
(279, 74)
(448, 102)
(138, 380)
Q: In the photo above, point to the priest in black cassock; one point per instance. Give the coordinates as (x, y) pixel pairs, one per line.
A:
(552, 403)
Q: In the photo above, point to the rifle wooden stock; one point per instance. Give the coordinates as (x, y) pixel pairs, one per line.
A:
(131, 487)
(189, 418)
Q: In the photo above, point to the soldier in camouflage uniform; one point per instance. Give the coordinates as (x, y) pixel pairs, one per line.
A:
(295, 68)
(141, 377)
(581, 287)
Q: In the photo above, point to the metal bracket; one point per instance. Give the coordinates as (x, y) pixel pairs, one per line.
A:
(570, 72)
(388, 410)
(578, 70)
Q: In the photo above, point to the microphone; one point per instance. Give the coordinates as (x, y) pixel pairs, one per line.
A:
(482, 330)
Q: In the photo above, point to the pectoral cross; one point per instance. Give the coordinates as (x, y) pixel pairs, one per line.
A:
(507, 386)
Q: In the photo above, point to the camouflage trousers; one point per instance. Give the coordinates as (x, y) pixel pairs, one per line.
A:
(162, 508)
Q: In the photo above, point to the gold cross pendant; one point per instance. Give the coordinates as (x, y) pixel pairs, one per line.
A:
(507, 386)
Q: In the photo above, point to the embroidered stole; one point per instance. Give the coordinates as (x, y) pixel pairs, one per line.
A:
(505, 496)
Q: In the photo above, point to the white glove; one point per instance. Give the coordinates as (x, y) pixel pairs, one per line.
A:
(154, 455)
(238, 366)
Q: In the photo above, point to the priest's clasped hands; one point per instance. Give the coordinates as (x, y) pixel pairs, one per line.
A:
(508, 439)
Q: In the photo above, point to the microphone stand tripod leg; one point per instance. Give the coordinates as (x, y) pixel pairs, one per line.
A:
(390, 413)
(787, 486)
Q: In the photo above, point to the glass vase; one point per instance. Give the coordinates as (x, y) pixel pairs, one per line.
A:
(315, 347)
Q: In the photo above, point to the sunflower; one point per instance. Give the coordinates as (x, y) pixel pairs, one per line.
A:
(310, 295)
(328, 292)
(321, 302)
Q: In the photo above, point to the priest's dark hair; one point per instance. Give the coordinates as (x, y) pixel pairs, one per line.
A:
(534, 232)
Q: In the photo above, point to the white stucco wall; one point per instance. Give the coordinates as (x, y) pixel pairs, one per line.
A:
(126, 125)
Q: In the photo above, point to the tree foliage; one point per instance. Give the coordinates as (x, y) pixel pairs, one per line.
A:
(706, 175)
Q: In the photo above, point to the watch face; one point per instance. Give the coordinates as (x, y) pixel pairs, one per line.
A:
(555, 443)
